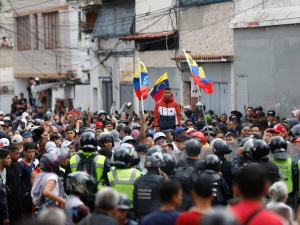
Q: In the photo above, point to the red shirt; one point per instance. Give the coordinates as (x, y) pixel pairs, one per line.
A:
(189, 218)
(244, 209)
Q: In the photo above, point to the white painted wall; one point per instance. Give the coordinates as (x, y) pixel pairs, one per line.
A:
(82, 93)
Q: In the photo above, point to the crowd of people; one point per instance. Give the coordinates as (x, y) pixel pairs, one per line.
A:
(173, 165)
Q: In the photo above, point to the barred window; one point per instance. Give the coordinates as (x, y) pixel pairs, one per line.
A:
(51, 30)
(23, 33)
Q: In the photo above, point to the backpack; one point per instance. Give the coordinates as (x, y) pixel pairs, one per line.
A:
(87, 165)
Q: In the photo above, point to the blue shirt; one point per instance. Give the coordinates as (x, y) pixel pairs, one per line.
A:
(161, 218)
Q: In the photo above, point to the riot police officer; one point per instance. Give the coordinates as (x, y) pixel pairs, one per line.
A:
(169, 165)
(221, 191)
(123, 176)
(287, 167)
(146, 188)
(185, 169)
(88, 160)
(106, 139)
(241, 158)
(259, 151)
(220, 149)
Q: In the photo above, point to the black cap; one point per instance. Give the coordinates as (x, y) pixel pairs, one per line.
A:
(271, 113)
(142, 148)
(54, 135)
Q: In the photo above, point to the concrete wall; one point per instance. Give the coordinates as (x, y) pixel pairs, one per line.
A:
(152, 16)
(204, 30)
(242, 5)
(269, 58)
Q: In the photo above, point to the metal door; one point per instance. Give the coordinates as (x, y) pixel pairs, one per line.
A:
(126, 94)
(107, 95)
(242, 95)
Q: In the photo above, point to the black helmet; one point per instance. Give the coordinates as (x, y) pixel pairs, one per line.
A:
(257, 148)
(244, 141)
(193, 147)
(122, 156)
(156, 151)
(81, 182)
(88, 141)
(212, 162)
(152, 162)
(135, 156)
(50, 162)
(106, 136)
(124, 201)
(278, 143)
(169, 164)
(221, 147)
(278, 147)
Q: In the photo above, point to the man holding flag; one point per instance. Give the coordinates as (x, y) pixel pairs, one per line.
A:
(167, 113)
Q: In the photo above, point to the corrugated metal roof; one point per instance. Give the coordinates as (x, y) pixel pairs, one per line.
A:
(267, 17)
(148, 35)
(206, 58)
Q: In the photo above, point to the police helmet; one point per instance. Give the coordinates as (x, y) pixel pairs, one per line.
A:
(124, 201)
(193, 147)
(258, 148)
(81, 182)
(278, 147)
(221, 147)
(152, 162)
(156, 151)
(212, 162)
(122, 154)
(88, 141)
(244, 141)
(120, 126)
(169, 164)
(135, 155)
(106, 136)
(199, 106)
(278, 144)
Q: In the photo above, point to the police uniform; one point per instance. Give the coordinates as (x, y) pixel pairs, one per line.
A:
(102, 166)
(123, 180)
(146, 194)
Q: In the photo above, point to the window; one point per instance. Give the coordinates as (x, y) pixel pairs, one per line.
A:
(36, 32)
(51, 32)
(23, 33)
(157, 44)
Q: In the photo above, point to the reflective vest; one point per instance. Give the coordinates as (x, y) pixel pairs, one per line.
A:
(285, 170)
(298, 178)
(123, 180)
(99, 161)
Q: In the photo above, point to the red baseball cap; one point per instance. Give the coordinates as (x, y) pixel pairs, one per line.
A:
(297, 140)
(278, 128)
(99, 124)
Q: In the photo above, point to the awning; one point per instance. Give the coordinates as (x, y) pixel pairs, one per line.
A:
(267, 17)
(206, 58)
(148, 35)
(43, 87)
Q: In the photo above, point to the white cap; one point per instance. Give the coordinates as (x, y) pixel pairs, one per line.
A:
(158, 134)
(1, 113)
(4, 142)
(1, 123)
(187, 107)
(25, 114)
(66, 144)
(17, 139)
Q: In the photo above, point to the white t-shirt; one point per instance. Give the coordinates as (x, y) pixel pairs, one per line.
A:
(54, 177)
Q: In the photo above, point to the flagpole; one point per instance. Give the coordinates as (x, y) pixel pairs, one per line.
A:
(190, 66)
(141, 86)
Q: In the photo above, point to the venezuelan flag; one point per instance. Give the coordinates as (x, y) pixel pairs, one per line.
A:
(158, 90)
(199, 76)
(141, 71)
